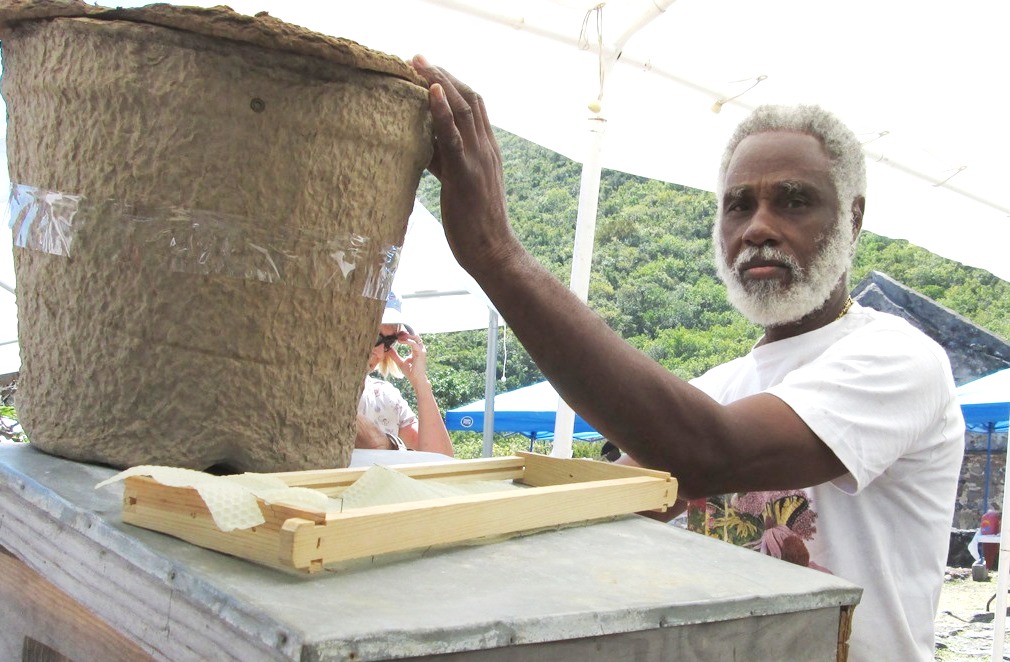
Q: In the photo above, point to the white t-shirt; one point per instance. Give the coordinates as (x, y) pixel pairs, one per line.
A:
(382, 404)
(881, 395)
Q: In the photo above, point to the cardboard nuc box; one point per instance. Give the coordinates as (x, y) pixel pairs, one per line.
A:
(206, 211)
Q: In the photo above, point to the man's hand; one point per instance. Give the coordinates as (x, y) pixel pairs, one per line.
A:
(468, 163)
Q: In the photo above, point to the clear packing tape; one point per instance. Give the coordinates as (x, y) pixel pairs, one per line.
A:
(200, 242)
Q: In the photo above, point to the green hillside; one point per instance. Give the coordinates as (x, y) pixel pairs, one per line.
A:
(653, 280)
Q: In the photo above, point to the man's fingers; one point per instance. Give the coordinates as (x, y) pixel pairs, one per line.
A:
(466, 105)
(466, 160)
(474, 103)
(446, 134)
(462, 98)
(445, 90)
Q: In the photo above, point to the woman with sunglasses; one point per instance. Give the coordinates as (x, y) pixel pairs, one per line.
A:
(381, 403)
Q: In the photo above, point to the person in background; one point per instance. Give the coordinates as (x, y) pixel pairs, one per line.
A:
(839, 433)
(385, 420)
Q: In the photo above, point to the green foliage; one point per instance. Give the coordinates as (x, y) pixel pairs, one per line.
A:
(973, 293)
(469, 445)
(653, 279)
(9, 426)
(690, 352)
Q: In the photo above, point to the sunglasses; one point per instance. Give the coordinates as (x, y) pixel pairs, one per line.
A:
(388, 341)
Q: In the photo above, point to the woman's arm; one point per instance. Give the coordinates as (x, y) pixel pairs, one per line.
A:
(428, 432)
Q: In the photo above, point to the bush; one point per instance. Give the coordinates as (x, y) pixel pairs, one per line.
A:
(469, 445)
(9, 426)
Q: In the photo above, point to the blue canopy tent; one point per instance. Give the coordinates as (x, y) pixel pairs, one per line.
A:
(529, 410)
(985, 404)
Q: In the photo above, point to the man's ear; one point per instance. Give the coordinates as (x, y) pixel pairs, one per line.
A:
(858, 207)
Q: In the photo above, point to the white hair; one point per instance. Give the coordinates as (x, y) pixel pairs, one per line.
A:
(848, 166)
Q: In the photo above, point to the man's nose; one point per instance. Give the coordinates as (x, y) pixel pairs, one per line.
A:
(762, 227)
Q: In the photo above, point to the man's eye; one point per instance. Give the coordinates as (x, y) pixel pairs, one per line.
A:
(796, 201)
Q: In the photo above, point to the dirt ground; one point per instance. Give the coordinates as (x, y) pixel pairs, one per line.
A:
(964, 627)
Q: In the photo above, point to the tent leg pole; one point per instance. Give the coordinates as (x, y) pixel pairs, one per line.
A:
(988, 470)
(490, 373)
(582, 258)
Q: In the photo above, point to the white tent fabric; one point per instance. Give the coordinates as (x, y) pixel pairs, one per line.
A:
(924, 99)
(632, 85)
(10, 359)
(437, 295)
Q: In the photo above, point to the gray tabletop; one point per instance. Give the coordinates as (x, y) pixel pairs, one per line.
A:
(625, 575)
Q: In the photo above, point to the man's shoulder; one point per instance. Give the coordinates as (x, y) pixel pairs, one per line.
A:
(862, 332)
(889, 330)
(721, 372)
(872, 316)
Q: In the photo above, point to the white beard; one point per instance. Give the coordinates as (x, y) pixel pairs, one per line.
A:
(771, 303)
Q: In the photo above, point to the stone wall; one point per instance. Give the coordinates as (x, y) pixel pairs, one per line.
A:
(971, 487)
(970, 503)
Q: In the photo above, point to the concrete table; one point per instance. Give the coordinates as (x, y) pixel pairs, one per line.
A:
(78, 582)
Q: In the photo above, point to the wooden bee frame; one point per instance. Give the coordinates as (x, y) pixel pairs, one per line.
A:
(561, 491)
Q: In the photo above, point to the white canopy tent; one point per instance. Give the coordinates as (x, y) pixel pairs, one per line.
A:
(438, 296)
(923, 98)
(655, 70)
(10, 359)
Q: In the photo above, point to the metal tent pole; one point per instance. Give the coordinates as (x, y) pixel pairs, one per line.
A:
(988, 467)
(589, 200)
(490, 374)
(582, 260)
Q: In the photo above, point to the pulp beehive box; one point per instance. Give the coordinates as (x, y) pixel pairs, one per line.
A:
(206, 208)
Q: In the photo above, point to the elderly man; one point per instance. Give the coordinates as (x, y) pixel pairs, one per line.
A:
(847, 413)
